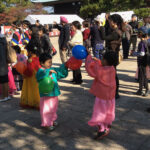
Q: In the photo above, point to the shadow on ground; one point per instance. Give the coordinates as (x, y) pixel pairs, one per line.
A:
(20, 128)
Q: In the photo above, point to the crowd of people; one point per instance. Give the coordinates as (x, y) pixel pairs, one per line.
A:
(34, 49)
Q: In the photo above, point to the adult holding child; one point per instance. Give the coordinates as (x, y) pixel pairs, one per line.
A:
(77, 39)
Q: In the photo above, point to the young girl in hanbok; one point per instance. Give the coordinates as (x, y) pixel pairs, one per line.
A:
(30, 97)
(49, 101)
(104, 88)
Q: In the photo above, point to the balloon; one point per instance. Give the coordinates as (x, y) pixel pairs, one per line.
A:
(46, 85)
(79, 52)
(21, 58)
(20, 67)
(74, 63)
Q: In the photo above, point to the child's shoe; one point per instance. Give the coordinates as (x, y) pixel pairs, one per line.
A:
(51, 128)
(5, 99)
(55, 123)
(148, 110)
(101, 135)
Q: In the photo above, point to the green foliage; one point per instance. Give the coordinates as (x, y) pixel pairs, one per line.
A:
(142, 12)
(12, 10)
(90, 8)
(6, 4)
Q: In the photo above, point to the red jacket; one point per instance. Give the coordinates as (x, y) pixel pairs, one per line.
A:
(104, 85)
(86, 34)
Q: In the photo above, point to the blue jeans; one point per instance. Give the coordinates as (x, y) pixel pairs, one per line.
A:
(98, 50)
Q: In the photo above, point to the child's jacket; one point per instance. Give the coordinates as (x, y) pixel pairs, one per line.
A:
(142, 49)
(104, 85)
(62, 72)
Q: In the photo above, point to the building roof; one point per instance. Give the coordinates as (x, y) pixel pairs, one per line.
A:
(53, 1)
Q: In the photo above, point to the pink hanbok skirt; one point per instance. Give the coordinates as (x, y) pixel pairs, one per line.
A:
(12, 86)
(48, 109)
(103, 114)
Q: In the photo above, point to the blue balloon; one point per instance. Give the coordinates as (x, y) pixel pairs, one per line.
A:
(79, 52)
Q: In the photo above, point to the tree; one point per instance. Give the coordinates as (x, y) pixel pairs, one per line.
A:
(91, 8)
(18, 10)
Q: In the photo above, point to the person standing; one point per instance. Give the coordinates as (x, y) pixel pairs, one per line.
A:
(142, 62)
(63, 38)
(134, 25)
(114, 41)
(97, 42)
(86, 34)
(3, 68)
(126, 40)
(77, 39)
(147, 22)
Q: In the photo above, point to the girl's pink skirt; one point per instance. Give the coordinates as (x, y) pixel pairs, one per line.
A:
(103, 114)
(12, 86)
(48, 109)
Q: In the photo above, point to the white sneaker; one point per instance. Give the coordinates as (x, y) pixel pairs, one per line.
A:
(5, 99)
(9, 98)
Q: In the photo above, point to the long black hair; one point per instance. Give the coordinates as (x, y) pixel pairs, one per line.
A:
(118, 20)
(34, 45)
(77, 25)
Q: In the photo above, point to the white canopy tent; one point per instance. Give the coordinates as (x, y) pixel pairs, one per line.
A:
(126, 15)
(50, 19)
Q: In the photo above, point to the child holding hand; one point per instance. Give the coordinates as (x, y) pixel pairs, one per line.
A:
(49, 101)
(104, 88)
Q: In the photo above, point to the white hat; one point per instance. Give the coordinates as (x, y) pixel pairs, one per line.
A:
(98, 19)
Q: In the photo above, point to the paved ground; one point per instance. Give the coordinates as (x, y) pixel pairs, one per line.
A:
(20, 128)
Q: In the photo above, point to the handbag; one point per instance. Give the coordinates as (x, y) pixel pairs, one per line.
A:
(120, 57)
(11, 54)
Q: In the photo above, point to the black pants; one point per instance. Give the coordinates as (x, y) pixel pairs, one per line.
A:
(133, 41)
(77, 77)
(143, 81)
(125, 45)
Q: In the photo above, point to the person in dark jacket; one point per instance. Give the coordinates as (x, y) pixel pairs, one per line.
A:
(142, 62)
(3, 68)
(63, 38)
(126, 40)
(114, 41)
(97, 42)
(45, 42)
(134, 25)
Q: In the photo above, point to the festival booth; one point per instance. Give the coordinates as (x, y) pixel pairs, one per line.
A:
(50, 19)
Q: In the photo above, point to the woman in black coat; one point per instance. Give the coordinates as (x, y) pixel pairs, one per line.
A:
(114, 40)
